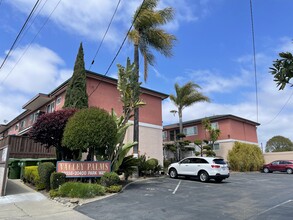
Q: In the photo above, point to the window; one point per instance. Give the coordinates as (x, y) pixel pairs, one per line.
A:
(34, 117)
(58, 101)
(190, 131)
(16, 126)
(200, 160)
(172, 135)
(216, 146)
(22, 124)
(215, 125)
(164, 135)
(51, 107)
(187, 160)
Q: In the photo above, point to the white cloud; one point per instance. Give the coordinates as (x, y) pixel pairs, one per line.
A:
(212, 81)
(91, 18)
(36, 71)
(39, 71)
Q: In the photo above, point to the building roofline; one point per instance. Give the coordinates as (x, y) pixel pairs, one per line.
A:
(114, 81)
(213, 118)
(42, 96)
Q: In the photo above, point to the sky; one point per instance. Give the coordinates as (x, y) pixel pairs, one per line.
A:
(214, 49)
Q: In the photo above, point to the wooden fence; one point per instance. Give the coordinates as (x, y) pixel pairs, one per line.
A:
(24, 147)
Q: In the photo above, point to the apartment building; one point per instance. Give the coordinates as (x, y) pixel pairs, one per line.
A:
(102, 92)
(233, 128)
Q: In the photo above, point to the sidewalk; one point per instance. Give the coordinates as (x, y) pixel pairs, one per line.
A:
(21, 202)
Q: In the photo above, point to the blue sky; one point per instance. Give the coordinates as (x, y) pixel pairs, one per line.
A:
(213, 49)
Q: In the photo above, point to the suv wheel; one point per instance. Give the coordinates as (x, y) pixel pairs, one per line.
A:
(173, 173)
(266, 170)
(204, 176)
(289, 171)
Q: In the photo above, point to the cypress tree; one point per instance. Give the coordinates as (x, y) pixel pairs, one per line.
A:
(76, 96)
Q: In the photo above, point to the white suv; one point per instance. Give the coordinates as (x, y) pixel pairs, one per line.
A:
(205, 168)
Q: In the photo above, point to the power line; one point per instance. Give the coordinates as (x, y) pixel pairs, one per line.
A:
(254, 60)
(24, 52)
(27, 29)
(119, 47)
(105, 34)
(280, 109)
(20, 32)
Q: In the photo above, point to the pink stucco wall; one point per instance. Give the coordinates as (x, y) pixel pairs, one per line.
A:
(102, 94)
(107, 96)
(238, 130)
(230, 129)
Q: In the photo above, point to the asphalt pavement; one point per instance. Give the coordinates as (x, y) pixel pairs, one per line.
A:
(243, 196)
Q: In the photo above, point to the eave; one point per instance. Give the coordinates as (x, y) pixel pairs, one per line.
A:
(36, 102)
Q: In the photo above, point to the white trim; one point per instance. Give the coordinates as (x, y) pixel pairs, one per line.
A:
(24, 130)
(234, 140)
(142, 124)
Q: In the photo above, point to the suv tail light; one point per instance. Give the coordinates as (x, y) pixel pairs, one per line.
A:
(215, 166)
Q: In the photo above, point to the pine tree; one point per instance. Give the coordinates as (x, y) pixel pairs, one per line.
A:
(76, 96)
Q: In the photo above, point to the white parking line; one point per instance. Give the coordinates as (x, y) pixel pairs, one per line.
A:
(176, 187)
(276, 206)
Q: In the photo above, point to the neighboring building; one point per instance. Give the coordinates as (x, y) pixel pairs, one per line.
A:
(102, 92)
(232, 129)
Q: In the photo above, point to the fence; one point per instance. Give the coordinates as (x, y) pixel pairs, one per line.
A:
(24, 147)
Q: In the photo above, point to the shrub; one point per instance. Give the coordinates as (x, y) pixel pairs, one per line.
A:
(80, 190)
(57, 179)
(114, 188)
(148, 166)
(153, 165)
(54, 193)
(31, 175)
(245, 157)
(109, 179)
(166, 163)
(45, 170)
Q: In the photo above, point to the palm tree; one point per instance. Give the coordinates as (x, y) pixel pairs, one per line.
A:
(282, 70)
(146, 35)
(186, 96)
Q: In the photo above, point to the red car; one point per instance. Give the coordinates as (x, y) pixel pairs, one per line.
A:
(279, 165)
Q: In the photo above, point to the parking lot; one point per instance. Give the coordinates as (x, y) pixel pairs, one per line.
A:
(242, 196)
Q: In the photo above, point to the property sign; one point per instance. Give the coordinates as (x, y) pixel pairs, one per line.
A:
(84, 168)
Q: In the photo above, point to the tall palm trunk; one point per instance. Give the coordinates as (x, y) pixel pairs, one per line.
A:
(136, 110)
(180, 121)
(180, 131)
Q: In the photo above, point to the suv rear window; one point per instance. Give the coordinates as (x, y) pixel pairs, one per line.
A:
(219, 161)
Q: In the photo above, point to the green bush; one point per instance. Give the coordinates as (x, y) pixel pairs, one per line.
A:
(114, 188)
(109, 179)
(153, 165)
(149, 166)
(54, 193)
(166, 163)
(245, 157)
(45, 171)
(80, 190)
(31, 175)
(57, 179)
